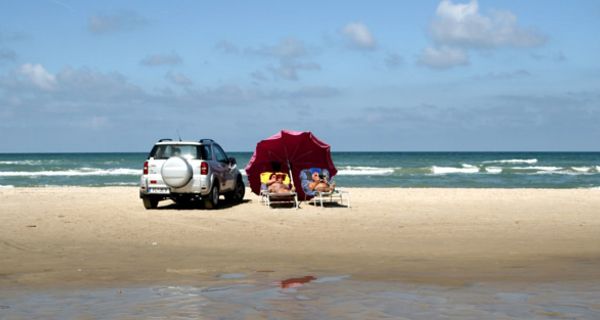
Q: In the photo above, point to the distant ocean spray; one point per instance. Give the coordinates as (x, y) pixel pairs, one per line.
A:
(355, 169)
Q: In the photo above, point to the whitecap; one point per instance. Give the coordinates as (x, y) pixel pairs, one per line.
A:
(569, 173)
(581, 169)
(365, 171)
(446, 170)
(540, 168)
(528, 161)
(8, 186)
(22, 162)
(494, 170)
(121, 184)
(80, 172)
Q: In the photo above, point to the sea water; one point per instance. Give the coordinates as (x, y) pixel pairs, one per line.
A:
(324, 297)
(355, 169)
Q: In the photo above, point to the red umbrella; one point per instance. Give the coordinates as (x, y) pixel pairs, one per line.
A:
(294, 151)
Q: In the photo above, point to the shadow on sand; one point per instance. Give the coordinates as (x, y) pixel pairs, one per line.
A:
(199, 204)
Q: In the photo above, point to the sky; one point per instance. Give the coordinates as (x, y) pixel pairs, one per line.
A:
(449, 75)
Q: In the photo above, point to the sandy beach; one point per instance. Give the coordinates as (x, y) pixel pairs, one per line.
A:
(63, 236)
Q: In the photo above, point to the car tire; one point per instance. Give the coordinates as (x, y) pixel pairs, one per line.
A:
(237, 195)
(212, 201)
(150, 203)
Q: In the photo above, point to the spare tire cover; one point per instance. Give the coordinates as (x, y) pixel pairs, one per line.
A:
(176, 172)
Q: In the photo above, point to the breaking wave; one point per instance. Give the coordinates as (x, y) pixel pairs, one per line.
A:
(493, 170)
(22, 162)
(527, 161)
(466, 168)
(538, 168)
(365, 171)
(73, 172)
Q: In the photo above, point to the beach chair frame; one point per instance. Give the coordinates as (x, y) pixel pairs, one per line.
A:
(269, 198)
(317, 197)
(331, 197)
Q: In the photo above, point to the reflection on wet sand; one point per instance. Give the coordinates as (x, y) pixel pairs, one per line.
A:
(240, 296)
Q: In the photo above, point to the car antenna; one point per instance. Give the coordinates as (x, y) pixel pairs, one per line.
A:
(178, 135)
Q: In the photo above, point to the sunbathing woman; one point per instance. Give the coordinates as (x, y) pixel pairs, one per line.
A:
(276, 184)
(319, 183)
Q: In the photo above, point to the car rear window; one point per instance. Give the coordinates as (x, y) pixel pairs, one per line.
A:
(166, 151)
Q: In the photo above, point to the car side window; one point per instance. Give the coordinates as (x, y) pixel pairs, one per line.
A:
(206, 153)
(220, 154)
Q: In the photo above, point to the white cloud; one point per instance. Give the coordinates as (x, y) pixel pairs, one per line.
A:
(119, 22)
(37, 75)
(179, 78)
(463, 25)
(459, 27)
(288, 69)
(291, 55)
(161, 59)
(288, 48)
(443, 57)
(359, 36)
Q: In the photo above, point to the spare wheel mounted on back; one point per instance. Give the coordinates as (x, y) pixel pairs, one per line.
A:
(176, 172)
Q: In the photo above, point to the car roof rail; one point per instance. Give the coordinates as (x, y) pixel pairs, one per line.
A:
(206, 141)
(167, 139)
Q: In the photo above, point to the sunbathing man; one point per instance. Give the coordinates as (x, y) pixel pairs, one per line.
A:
(276, 184)
(319, 183)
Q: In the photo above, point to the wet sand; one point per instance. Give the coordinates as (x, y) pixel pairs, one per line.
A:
(80, 237)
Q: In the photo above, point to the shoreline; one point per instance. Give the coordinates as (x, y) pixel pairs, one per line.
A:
(77, 237)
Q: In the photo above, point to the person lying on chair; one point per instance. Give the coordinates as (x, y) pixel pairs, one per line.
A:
(276, 184)
(320, 183)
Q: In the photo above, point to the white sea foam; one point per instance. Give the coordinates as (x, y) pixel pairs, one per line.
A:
(9, 186)
(22, 162)
(597, 168)
(565, 172)
(528, 161)
(122, 184)
(539, 168)
(365, 171)
(78, 172)
(446, 170)
(581, 169)
(494, 170)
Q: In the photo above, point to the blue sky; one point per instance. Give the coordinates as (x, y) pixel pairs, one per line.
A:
(390, 75)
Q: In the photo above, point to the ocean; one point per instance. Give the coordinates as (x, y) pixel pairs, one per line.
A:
(355, 169)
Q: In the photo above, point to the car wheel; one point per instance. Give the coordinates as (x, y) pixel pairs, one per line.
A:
(237, 195)
(150, 203)
(213, 197)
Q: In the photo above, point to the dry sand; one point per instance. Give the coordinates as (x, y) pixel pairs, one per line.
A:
(103, 236)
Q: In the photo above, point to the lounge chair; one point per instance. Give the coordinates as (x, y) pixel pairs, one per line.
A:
(314, 196)
(271, 198)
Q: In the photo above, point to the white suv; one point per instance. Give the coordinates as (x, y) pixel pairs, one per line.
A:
(189, 170)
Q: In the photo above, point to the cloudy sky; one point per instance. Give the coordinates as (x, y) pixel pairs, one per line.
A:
(385, 75)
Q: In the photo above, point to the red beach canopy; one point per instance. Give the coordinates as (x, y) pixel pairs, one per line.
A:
(294, 151)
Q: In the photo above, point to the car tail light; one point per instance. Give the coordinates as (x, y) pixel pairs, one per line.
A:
(145, 167)
(204, 168)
